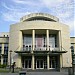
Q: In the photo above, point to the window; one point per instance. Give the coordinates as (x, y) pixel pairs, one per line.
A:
(6, 49)
(5, 60)
(27, 40)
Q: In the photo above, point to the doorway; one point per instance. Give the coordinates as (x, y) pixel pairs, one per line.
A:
(39, 64)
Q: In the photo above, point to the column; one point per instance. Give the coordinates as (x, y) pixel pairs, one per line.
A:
(60, 61)
(47, 34)
(2, 53)
(32, 62)
(48, 59)
(20, 41)
(33, 39)
(1, 59)
(60, 48)
(33, 47)
(59, 34)
(2, 48)
(19, 63)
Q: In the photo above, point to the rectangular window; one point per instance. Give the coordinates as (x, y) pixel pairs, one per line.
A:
(6, 49)
(52, 42)
(27, 42)
(5, 60)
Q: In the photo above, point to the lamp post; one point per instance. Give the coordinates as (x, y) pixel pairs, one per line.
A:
(10, 59)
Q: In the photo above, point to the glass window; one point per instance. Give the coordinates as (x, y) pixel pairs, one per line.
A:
(52, 42)
(40, 40)
(5, 60)
(6, 49)
(27, 40)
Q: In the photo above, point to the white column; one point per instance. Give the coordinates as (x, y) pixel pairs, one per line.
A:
(47, 34)
(2, 53)
(20, 40)
(60, 48)
(48, 59)
(2, 48)
(33, 47)
(59, 34)
(1, 59)
(60, 61)
(32, 62)
(33, 39)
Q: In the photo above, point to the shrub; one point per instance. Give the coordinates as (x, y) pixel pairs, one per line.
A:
(3, 66)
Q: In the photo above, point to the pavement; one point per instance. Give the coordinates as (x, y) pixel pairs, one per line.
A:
(38, 73)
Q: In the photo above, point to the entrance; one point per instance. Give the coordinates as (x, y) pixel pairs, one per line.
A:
(52, 62)
(39, 64)
(27, 63)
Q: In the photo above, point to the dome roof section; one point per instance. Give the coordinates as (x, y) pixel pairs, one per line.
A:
(39, 16)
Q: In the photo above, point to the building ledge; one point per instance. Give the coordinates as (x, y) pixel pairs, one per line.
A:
(59, 51)
(22, 51)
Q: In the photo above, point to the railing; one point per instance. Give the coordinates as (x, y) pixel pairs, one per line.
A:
(29, 48)
(54, 49)
(40, 48)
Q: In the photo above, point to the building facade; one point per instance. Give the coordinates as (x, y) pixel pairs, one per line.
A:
(72, 39)
(4, 46)
(40, 41)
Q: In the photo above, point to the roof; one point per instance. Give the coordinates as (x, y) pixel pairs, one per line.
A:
(39, 15)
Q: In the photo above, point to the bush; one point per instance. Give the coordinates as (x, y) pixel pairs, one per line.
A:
(3, 66)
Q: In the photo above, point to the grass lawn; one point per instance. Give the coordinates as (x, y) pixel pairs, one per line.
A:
(3, 70)
(6, 70)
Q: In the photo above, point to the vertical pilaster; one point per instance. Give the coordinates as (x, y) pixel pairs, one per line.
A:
(60, 61)
(2, 48)
(32, 62)
(2, 53)
(1, 59)
(48, 59)
(47, 34)
(19, 63)
(20, 40)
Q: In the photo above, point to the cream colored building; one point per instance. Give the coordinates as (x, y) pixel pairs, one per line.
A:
(72, 40)
(40, 41)
(4, 46)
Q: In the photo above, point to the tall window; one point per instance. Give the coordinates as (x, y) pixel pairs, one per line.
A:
(5, 60)
(6, 49)
(40, 40)
(52, 41)
(27, 42)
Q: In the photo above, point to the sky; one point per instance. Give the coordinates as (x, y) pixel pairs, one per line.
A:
(12, 10)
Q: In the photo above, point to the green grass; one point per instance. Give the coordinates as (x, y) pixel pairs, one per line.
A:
(2, 70)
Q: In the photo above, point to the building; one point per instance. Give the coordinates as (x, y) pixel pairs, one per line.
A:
(40, 41)
(73, 49)
(4, 46)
